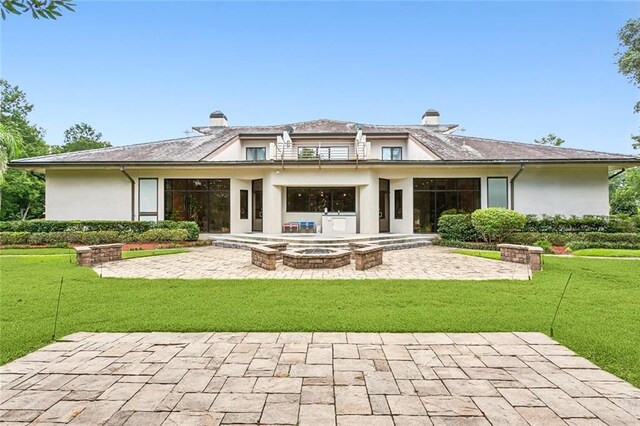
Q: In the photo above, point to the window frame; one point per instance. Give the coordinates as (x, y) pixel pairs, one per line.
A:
(256, 149)
(244, 204)
(506, 191)
(391, 150)
(307, 192)
(148, 214)
(397, 195)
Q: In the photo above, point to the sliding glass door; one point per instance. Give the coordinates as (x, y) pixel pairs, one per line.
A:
(204, 201)
(431, 197)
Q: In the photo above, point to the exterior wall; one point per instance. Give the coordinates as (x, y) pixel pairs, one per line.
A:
(105, 194)
(563, 190)
(87, 194)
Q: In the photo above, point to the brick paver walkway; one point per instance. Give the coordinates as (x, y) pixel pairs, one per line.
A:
(312, 379)
(216, 262)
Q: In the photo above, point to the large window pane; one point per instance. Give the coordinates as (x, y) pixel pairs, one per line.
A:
(148, 197)
(316, 199)
(204, 201)
(256, 154)
(431, 197)
(497, 192)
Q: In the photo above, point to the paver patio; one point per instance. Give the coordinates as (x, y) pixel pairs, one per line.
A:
(312, 378)
(215, 262)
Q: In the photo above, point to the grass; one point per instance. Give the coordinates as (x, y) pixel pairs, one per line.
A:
(62, 251)
(599, 318)
(607, 253)
(34, 251)
(487, 254)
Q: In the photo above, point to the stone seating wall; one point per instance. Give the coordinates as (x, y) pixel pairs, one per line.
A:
(93, 255)
(265, 257)
(528, 255)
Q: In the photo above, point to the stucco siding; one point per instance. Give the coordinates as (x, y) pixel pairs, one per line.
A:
(563, 190)
(87, 195)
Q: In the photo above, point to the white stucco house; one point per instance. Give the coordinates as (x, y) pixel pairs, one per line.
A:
(323, 175)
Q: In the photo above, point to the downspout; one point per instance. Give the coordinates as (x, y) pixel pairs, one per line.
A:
(513, 186)
(617, 173)
(133, 192)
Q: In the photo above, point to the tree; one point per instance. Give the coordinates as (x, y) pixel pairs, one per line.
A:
(624, 192)
(45, 9)
(550, 139)
(629, 59)
(80, 137)
(22, 192)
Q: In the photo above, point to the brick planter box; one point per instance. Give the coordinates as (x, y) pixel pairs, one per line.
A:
(531, 256)
(265, 257)
(367, 257)
(299, 260)
(93, 255)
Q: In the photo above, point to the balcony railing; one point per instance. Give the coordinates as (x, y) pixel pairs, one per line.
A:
(318, 153)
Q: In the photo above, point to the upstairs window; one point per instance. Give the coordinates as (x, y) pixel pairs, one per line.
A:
(256, 154)
(393, 153)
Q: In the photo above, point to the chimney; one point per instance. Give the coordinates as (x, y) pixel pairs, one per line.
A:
(217, 119)
(431, 118)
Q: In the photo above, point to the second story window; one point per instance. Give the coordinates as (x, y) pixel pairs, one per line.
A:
(393, 153)
(256, 154)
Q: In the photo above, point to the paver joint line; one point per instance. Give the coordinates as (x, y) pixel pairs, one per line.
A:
(311, 378)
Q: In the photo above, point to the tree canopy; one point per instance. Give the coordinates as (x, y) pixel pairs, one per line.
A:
(629, 59)
(80, 137)
(551, 140)
(45, 9)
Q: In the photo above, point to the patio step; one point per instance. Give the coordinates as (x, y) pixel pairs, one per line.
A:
(387, 241)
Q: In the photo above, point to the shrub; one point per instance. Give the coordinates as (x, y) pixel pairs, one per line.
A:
(157, 235)
(465, 245)
(561, 239)
(496, 224)
(449, 212)
(544, 245)
(91, 237)
(561, 224)
(129, 228)
(580, 245)
(456, 227)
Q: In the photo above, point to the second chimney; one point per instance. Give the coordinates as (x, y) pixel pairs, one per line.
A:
(431, 118)
(217, 119)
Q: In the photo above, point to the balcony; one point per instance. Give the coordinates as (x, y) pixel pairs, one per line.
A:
(318, 153)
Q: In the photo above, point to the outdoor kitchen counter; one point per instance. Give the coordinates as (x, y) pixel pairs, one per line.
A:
(343, 223)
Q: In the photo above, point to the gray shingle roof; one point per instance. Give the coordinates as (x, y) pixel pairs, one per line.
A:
(448, 147)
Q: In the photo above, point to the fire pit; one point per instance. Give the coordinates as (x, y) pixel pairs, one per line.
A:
(316, 258)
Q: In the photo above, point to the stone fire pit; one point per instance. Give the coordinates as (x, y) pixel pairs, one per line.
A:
(316, 258)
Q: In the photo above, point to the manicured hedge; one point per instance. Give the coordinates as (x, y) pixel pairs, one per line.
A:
(561, 224)
(465, 245)
(580, 245)
(561, 239)
(92, 237)
(496, 224)
(47, 226)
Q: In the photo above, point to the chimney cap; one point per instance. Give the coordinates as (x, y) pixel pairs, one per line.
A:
(217, 114)
(431, 113)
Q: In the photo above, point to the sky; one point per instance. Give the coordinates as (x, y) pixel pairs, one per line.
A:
(145, 71)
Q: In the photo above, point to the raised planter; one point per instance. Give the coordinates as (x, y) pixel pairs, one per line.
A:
(316, 258)
(528, 255)
(93, 255)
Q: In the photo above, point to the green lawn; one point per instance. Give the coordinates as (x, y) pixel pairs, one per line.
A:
(130, 254)
(607, 253)
(599, 318)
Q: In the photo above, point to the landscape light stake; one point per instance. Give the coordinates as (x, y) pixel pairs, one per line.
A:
(560, 301)
(55, 323)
